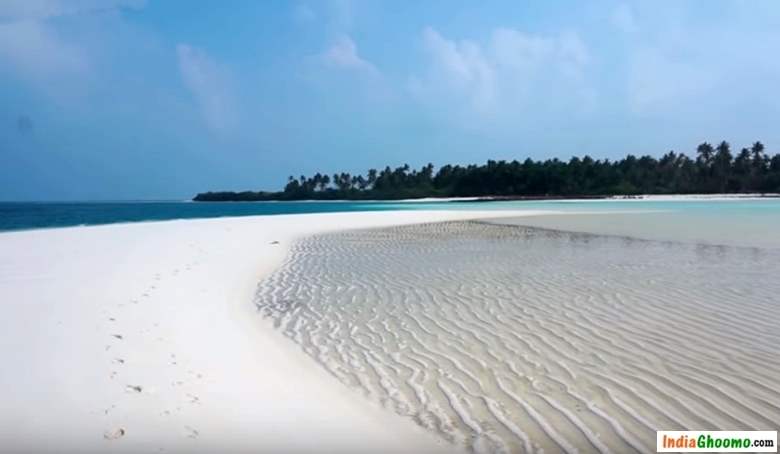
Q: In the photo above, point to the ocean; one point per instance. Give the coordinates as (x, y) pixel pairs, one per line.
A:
(36, 215)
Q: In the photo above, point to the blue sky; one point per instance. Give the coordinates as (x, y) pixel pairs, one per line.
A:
(134, 99)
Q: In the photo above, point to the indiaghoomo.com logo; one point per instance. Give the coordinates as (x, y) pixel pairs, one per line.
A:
(716, 441)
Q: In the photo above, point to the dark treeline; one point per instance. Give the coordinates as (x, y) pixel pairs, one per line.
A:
(713, 170)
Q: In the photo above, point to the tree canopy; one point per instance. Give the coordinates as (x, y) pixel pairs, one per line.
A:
(715, 169)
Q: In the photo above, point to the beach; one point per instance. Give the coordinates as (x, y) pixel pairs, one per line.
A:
(383, 227)
(144, 337)
(392, 331)
(502, 338)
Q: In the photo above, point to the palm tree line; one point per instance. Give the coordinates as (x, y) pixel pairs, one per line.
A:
(714, 169)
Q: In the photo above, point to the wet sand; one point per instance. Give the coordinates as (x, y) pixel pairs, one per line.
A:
(712, 228)
(504, 338)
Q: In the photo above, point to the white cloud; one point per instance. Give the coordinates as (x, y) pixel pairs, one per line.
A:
(344, 54)
(36, 51)
(32, 46)
(211, 86)
(520, 51)
(697, 69)
(461, 66)
(14, 10)
(505, 72)
(623, 19)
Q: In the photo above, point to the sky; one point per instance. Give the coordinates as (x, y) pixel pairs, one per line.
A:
(161, 99)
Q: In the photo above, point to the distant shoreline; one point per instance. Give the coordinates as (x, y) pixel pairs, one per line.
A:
(713, 170)
(36, 216)
(500, 198)
(665, 197)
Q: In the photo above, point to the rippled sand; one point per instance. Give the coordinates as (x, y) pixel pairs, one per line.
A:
(505, 338)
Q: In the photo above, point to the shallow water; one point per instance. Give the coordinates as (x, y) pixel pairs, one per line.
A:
(505, 338)
(758, 215)
(709, 227)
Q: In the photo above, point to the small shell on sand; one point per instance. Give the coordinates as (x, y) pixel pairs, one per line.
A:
(114, 434)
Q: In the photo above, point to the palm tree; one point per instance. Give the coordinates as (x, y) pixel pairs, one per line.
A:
(704, 163)
(742, 169)
(759, 166)
(758, 151)
(722, 164)
(705, 152)
(371, 177)
(714, 169)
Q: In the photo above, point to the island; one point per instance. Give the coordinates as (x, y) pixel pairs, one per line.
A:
(715, 169)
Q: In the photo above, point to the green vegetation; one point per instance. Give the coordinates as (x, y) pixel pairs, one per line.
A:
(714, 170)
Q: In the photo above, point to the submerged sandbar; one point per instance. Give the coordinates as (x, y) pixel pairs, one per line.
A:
(510, 338)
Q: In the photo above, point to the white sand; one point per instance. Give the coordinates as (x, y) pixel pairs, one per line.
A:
(442, 199)
(212, 376)
(695, 197)
(505, 340)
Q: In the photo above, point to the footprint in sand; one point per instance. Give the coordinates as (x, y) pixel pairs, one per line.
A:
(114, 434)
(197, 375)
(191, 433)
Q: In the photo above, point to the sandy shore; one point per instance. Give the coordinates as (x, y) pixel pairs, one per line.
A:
(143, 338)
(700, 197)
(507, 339)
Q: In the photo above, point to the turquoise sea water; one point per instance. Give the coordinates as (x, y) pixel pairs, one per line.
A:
(745, 223)
(23, 216)
(714, 220)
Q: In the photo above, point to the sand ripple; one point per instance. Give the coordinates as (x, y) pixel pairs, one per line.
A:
(511, 339)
